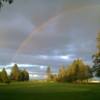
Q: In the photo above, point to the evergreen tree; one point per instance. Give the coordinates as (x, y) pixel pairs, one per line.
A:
(96, 58)
(49, 73)
(21, 76)
(15, 73)
(0, 77)
(90, 73)
(97, 73)
(84, 71)
(77, 71)
(26, 75)
(4, 76)
(62, 74)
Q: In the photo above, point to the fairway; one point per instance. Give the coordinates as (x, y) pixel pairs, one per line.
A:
(49, 91)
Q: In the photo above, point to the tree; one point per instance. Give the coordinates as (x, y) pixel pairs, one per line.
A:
(4, 76)
(96, 61)
(2, 2)
(90, 73)
(69, 75)
(84, 71)
(49, 73)
(62, 74)
(96, 58)
(77, 71)
(26, 75)
(97, 73)
(0, 77)
(15, 73)
(73, 71)
(21, 76)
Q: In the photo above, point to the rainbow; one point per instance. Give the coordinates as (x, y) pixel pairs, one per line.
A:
(36, 30)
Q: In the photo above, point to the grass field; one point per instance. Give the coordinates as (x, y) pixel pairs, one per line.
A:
(49, 91)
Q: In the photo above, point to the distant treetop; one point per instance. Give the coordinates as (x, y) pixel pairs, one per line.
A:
(7, 1)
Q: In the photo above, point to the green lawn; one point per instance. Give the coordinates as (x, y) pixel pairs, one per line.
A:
(49, 91)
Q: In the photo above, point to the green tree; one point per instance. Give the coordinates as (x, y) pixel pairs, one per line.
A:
(15, 73)
(4, 76)
(49, 73)
(62, 74)
(21, 76)
(89, 73)
(72, 72)
(69, 73)
(97, 73)
(0, 77)
(84, 71)
(77, 71)
(26, 75)
(96, 58)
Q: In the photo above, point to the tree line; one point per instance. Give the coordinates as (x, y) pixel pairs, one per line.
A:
(15, 75)
(78, 71)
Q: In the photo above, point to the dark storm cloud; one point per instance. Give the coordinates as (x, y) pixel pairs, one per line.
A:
(71, 33)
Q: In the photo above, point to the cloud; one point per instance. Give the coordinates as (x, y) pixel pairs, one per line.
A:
(14, 31)
(69, 34)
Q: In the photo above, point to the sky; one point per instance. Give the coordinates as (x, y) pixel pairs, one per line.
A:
(48, 32)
